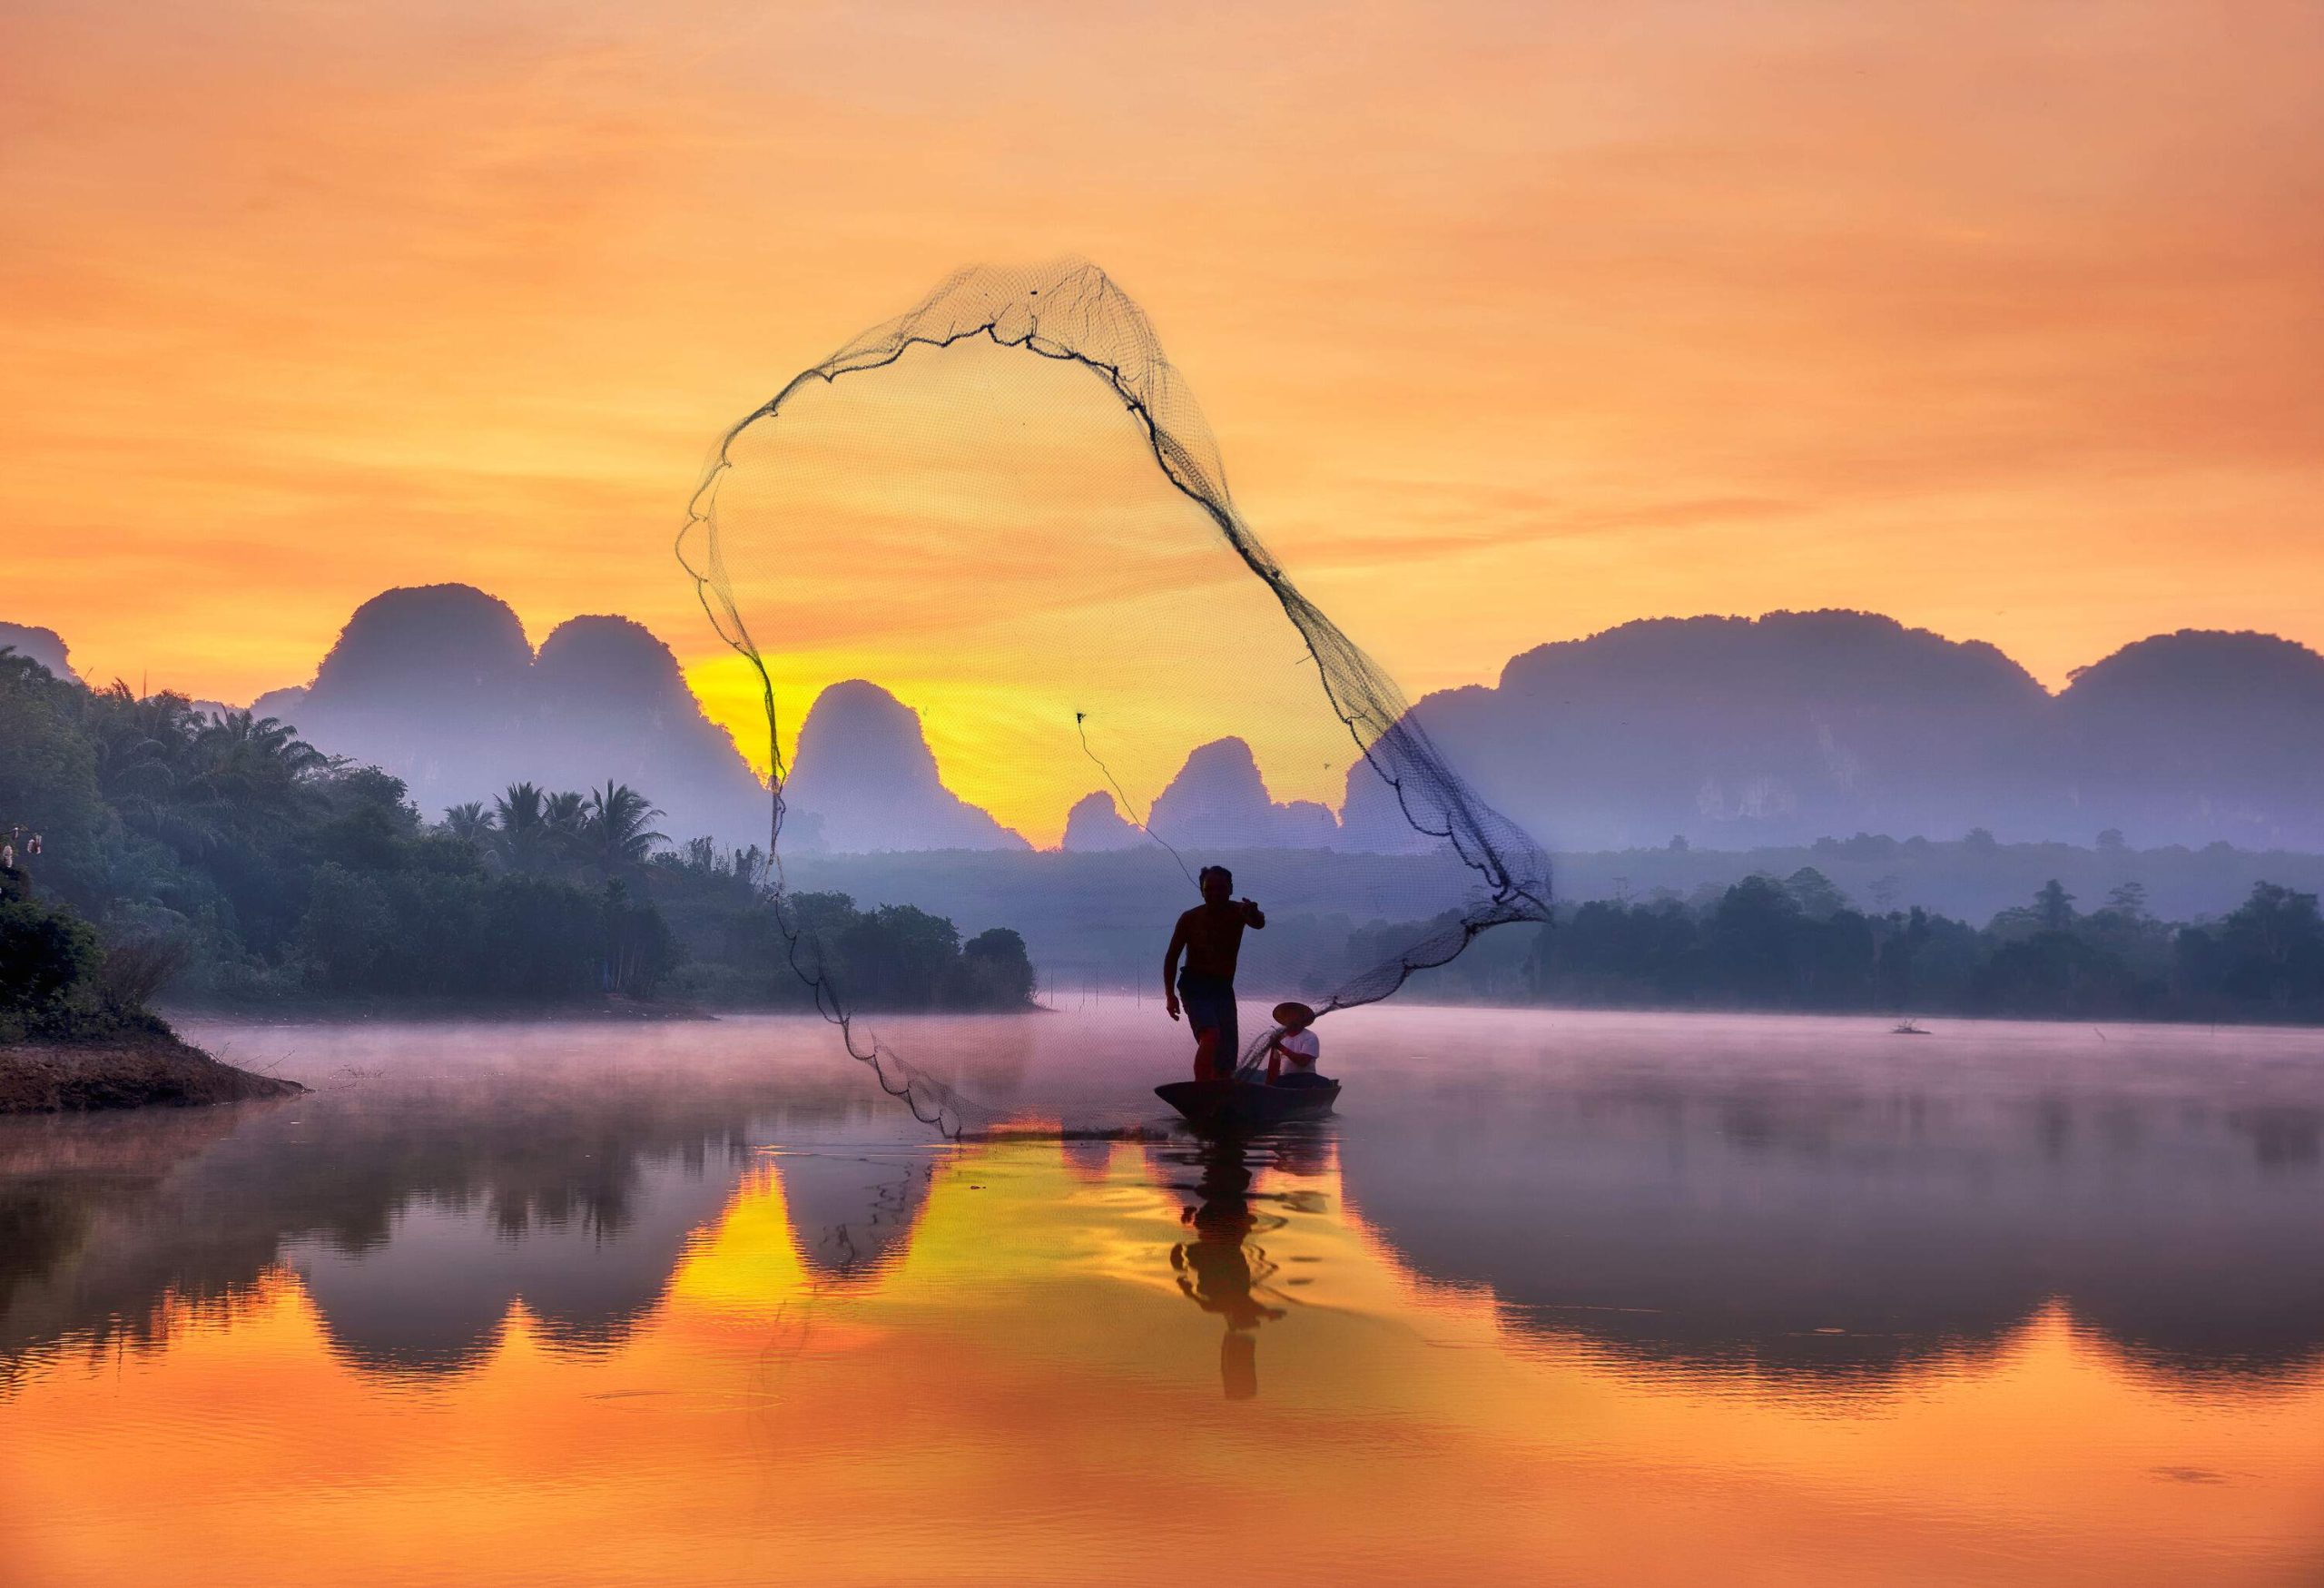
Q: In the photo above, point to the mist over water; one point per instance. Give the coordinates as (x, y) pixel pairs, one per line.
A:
(2003, 1302)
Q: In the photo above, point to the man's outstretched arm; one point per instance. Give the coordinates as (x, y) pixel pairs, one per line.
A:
(1254, 917)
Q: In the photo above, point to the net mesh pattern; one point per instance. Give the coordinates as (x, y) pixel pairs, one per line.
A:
(1070, 313)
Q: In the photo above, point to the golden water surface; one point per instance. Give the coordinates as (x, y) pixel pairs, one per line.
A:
(1558, 1299)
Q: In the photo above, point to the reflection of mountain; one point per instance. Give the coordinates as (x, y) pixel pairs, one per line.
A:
(439, 687)
(864, 780)
(1705, 1194)
(852, 1214)
(1803, 1228)
(431, 1296)
(419, 1215)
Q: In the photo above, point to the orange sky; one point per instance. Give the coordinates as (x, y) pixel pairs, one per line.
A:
(1514, 322)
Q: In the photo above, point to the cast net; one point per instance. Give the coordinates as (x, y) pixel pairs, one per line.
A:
(1002, 511)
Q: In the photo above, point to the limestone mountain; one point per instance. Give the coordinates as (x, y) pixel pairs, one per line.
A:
(863, 779)
(1219, 800)
(1736, 732)
(44, 645)
(2198, 736)
(438, 685)
(1096, 823)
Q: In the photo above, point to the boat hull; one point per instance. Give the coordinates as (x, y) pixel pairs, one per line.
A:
(1226, 1105)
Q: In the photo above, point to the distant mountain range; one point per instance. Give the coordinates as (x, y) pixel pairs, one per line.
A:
(1730, 733)
(1736, 732)
(438, 685)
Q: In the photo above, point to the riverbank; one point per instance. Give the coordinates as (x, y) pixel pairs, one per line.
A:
(313, 1010)
(126, 1071)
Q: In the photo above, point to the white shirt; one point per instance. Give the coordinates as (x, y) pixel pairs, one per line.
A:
(1301, 1049)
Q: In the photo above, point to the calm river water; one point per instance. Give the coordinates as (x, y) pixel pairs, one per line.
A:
(1556, 1298)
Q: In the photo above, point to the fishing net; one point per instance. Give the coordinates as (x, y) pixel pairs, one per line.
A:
(1004, 509)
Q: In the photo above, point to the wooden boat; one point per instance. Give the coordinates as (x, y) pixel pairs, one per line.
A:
(1232, 1105)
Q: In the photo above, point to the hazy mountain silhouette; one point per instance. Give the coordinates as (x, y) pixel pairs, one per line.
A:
(1736, 732)
(438, 685)
(1219, 800)
(2198, 736)
(1733, 733)
(44, 645)
(1096, 823)
(863, 779)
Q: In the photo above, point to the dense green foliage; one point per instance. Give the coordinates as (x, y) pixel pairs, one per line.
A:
(1797, 943)
(222, 849)
(57, 979)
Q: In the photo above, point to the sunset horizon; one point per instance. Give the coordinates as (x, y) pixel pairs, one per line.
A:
(993, 794)
(1996, 374)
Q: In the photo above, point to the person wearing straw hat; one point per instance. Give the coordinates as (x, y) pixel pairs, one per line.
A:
(1293, 1051)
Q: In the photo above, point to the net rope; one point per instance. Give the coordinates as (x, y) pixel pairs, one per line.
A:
(1072, 313)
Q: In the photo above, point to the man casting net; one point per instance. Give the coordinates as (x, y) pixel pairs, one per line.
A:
(1004, 509)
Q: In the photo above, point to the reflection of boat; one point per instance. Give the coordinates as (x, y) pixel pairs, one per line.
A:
(1234, 1105)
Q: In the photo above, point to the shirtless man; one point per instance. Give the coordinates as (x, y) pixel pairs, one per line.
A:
(1210, 935)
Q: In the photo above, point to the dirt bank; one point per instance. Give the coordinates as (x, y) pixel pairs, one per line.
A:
(125, 1071)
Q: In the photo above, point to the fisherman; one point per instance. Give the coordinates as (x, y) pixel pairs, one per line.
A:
(1210, 936)
(1293, 1051)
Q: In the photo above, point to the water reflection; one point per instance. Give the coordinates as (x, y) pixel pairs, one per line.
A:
(1848, 1227)
(1730, 1207)
(1223, 1269)
(418, 1209)
(1948, 1312)
(852, 1214)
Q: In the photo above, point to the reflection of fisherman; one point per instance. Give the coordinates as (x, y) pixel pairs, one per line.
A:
(1210, 935)
(1215, 1267)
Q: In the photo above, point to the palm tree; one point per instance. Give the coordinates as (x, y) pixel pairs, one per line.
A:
(471, 822)
(617, 826)
(264, 740)
(521, 824)
(566, 813)
(139, 744)
(196, 781)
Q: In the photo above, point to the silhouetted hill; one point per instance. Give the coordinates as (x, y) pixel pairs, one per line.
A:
(438, 685)
(610, 701)
(1097, 824)
(42, 644)
(1735, 732)
(2199, 734)
(447, 638)
(864, 780)
(1219, 800)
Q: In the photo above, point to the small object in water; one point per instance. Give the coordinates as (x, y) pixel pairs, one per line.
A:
(1905, 1028)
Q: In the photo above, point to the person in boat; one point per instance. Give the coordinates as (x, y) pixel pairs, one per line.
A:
(1293, 1051)
(1211, 937)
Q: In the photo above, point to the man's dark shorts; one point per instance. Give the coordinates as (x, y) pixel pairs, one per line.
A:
(1209, 1004)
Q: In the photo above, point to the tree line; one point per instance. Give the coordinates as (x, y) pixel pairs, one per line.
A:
(1798, 943)
(221, 854)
